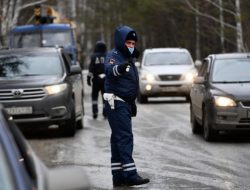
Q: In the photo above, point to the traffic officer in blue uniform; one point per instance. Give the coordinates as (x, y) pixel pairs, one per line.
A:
(96, 75)
(121, 87)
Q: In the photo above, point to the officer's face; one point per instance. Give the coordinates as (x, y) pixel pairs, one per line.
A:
(130, 43)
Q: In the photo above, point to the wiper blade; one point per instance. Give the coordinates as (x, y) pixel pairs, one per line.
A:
(232, 82)
(25, 75)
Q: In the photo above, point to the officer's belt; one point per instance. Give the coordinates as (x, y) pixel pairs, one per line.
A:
(110, 97)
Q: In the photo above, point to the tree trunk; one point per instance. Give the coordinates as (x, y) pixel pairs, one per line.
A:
(222, 27)
(239, 34)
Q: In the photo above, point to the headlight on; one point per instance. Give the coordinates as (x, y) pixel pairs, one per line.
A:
(190, 77)
(55, 89)
(224, 101)
(149, 77)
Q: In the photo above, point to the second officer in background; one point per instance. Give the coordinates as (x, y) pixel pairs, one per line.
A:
(96, 76)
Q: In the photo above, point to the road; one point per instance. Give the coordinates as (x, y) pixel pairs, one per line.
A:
(165, 150)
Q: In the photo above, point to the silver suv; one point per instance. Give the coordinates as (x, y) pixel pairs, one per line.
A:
(166, 72)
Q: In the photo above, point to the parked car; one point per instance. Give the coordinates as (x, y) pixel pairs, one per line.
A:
(166, 72)
(220, 98)
(21, 169)
(41, 87)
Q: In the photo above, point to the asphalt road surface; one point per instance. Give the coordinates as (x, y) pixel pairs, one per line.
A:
(165, 150)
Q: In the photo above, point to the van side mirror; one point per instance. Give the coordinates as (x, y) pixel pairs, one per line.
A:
(137, 64)
(75, 69)
(199, 80)
(197, 63)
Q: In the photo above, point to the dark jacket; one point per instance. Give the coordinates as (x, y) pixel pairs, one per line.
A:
(123, 85)
(96, 66)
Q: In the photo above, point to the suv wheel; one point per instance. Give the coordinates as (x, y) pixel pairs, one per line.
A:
(208, 132)
(69, 127)
(196, 128)
(142, 99)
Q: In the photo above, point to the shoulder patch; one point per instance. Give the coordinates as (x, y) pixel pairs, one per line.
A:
(111, 61)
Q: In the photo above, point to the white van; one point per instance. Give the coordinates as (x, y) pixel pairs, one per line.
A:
(166, 72)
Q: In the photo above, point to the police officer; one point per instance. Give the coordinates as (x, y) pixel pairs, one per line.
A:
(96, 75)
(121, 87)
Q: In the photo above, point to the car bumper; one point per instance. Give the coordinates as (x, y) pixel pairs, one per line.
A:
(160, 88)
(51, 109)
(236, 118)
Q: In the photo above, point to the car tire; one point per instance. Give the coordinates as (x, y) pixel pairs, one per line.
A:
(196, 127)
(69, 127)
(208, 132)
(142, 99)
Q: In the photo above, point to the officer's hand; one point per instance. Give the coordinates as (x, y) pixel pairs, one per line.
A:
(122, 68)
(89, 80)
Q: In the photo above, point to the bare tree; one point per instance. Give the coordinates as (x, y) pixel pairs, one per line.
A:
(9, 14)
(236, 14)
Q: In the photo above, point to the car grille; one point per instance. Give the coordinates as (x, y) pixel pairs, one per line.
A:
(169, 77)
(246, 103)
(21, 94)
(244, 120)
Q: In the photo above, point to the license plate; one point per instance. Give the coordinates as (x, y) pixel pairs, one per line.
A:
(19, 110)
(169, 89)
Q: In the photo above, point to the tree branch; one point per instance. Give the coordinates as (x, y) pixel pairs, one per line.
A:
(208, 16)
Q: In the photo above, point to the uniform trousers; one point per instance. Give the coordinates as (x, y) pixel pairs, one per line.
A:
(98, 86)
(122, 163)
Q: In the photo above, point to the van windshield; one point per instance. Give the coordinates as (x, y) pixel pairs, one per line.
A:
(167, 58)
(45, 38)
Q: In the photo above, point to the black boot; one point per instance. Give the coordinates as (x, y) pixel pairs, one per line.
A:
(118, 183)
(137, 181)
(95, 115)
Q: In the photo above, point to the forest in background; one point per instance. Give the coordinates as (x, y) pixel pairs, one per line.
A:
(201, 26)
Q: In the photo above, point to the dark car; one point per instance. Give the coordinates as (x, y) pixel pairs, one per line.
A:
(21, 169)
(220, 98)
(40, 87)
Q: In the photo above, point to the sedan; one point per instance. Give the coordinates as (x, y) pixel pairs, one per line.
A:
(220, 98)
(21, 169)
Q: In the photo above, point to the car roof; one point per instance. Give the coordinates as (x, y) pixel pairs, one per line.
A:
(39, 27)
(230, 55)
(156, 50)
(31, 50)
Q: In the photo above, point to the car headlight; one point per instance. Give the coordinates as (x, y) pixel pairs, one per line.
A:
(222, 101)
(55, 89)
(190, 76)
(148, 76)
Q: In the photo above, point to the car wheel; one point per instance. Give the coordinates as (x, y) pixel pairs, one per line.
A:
(142, 99)
(196, 128)
(208, 132)
(69, 127)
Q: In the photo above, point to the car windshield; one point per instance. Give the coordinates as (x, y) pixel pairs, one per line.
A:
(29, 64)
(231, 70)
(6, 180)
(46, 38)
(167, 58)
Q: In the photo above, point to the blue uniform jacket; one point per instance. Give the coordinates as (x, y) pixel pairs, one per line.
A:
(124, 85)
